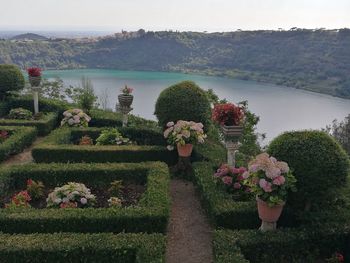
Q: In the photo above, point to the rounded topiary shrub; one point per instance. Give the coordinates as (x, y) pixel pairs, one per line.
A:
(317, 161)
(11, 79)
(183, 101)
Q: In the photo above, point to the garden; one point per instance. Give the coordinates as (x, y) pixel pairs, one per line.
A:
(99, 184)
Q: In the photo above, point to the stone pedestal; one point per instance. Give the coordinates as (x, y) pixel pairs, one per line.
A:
(36, 99)
(232, 147)
(267, 226)
(125, 111)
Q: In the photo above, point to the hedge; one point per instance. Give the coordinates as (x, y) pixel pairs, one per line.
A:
(150, 215)
(288, 245)
(58, 147)
(72, 248)
(44, 125)
(20, 138)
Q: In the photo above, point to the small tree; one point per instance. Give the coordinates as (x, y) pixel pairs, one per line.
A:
(11, 80)
(341, 132)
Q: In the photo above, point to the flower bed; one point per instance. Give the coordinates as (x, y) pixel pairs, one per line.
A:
(18, 139)
(150, 214)
(69, 248)
(45, 124)
(59, 147)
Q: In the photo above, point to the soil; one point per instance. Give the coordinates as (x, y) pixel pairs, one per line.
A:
(189, 232)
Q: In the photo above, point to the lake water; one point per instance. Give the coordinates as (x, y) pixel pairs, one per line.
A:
(280, 109)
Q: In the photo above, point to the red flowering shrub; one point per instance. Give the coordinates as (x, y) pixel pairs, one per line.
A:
(20, 199)
(3, 135)
(227, 114)
(34, 72)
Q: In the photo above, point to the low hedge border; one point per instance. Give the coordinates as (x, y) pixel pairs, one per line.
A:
(287, 245)
(58, 147)
(150, 215)
(68, 247)
(21, 138)
(44, 126)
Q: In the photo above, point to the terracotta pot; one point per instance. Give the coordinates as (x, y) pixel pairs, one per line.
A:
(267, 213)
(185, 150)
(35, 81)
(125, 100)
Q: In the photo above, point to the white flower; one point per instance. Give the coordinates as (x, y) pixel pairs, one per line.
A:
(65, 200)
(83, 200)
(170, 147)
(57, 201)
(170, 123)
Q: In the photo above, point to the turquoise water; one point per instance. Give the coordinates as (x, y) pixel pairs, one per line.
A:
(280, 109)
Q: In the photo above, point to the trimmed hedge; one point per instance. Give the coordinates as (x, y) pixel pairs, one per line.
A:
(11, 79)
(20, 138)
(58, 147)
(150, 215)
(72, 248)
(289, 245)
(44, 125)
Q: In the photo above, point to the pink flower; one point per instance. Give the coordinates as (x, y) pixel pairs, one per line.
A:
(235, 170)
(227, 180)
(272, 172)
(242, 170)
(237, 185)
(279, 180)
(265, 185)
(254, 168)
(240, 178)
(170, 124)
(245, 175)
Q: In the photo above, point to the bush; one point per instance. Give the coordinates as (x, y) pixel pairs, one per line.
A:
(183, 101)
(11, 79)
(318, 162)
(72, 248)
(149, 215)
(19, 139)
(20, 114)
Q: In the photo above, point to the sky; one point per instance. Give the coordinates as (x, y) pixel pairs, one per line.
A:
(182, 15)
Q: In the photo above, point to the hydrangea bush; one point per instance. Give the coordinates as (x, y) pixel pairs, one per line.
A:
(270, 179)
(75, 118)
(20, 114)
(71, 195)
(184, 132)
(112, 137)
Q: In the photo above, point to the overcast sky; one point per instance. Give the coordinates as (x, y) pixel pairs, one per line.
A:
(199, 15)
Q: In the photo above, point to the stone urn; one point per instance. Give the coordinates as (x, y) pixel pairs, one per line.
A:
(269, 215)
(35, 81)
(185, 150)
(232, 135)
(125, 100)
(232, 132)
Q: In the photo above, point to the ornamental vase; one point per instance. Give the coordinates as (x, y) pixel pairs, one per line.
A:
(185, 150)
(125, 100)
(267, 213)
(35, 81)
(232, 132)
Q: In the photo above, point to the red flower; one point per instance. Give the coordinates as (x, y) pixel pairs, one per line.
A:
(29, 182)
(227, 114)
(34, 72)
(340, 257)
(4, 134)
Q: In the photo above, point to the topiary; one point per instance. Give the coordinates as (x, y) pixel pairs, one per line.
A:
(11, 79)
(183, 101)
(317, 161)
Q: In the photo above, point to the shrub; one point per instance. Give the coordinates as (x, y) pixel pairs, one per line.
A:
(112, 136)
(183, 101)
(75, 118)
(20, 114)
(83, 96)
(11, 79)
(318, 163)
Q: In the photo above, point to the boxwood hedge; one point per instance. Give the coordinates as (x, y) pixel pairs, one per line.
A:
(72, 248)
(20, 138)
(150, 214)
(59, 147)
(44, 125)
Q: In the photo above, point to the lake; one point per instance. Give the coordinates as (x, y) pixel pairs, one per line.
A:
(280, 109)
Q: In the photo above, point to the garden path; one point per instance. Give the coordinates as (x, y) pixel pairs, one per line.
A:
(189, 232)
(23, 157)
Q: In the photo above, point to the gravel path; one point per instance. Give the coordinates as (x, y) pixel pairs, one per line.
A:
(189, 233)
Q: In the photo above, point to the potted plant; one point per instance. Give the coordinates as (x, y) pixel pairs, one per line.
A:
(34, 75)
(230, 117)
(125, 99)
(183, 135)
(270, 180)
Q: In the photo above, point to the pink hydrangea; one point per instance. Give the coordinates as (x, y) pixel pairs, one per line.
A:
(265, 185)
(227, 180)
(237, 185)
(280, 180)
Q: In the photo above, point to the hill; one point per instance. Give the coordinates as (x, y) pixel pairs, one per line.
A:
(29, 36)
(316, 60)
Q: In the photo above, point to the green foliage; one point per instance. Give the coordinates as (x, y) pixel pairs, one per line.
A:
(20, 114)
(183, 101)
(112, 136)
(116, 188)
(84, 95)
(11, 80)
(341, 132)
(317, 161)
(89, 248)
(19, 139)
(150, 215)
(35, 189)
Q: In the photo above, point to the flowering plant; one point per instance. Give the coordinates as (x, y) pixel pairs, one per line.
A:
(184, 132)
(20, 200)
(34, 72)
(75, 118)
(86, 140)
(20, 114)
(114, 202)
(112, 136)
(228, 114)
(126, 90)
(233, 180)
(3, 135)
(270, 179)
(71, 195)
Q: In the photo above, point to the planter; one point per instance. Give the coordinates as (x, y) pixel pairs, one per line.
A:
(125, 100)
(232, 132)
(269, 214)
(35, 81)
(185, 150)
